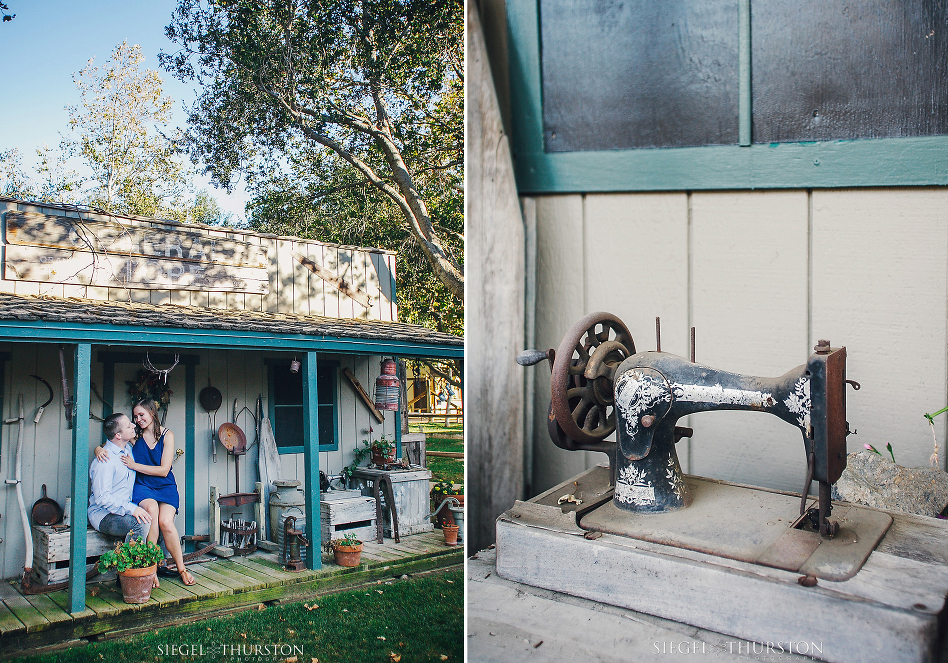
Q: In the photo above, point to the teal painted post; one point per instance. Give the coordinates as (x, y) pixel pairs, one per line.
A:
(82, 375)
(189, 443)
(311, 462)
(108, 388)
(744, 73)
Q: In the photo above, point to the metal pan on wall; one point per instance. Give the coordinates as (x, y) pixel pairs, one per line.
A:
(232, 438)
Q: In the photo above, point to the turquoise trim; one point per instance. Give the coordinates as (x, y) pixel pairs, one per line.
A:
(271, 404)
(108, 386)
(190, 460)
(921, 161)
(311, 461)
(71, 332)
(744, 74)
(82, 375)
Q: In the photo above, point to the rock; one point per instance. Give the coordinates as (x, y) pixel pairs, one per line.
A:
(876, 481)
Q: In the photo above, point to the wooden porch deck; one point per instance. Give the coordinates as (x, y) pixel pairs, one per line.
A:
(32, 623)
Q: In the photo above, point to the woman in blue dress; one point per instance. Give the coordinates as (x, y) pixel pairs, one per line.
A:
(155, 489)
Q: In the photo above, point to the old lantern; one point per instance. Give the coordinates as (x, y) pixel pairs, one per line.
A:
(387, 386)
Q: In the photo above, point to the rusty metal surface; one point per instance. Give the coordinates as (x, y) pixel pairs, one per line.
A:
(582, 407)
(750, 525)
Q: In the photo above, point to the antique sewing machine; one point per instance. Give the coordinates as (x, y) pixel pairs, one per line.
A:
(640, 534)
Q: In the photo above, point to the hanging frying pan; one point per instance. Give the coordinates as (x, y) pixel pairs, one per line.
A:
(46, 511)
(211, 399)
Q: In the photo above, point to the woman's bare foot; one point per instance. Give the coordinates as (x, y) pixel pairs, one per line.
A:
(187, 578)
(156, 583)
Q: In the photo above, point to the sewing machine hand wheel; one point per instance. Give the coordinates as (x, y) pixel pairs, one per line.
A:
(585, 364)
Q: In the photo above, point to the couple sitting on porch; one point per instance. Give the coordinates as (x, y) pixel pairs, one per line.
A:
(134, 493)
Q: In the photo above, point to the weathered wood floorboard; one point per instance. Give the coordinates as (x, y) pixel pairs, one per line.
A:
(223, 587)
(9, 623)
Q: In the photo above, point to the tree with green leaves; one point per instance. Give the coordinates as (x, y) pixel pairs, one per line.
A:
(369, 88)
(118, 126)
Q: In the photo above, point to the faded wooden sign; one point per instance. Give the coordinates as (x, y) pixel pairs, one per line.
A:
(59, 249)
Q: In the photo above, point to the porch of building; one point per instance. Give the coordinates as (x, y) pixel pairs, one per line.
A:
(39, 622)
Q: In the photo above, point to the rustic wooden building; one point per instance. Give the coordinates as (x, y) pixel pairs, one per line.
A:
(232, 307)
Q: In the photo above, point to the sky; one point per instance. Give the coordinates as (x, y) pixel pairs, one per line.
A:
(50, 40)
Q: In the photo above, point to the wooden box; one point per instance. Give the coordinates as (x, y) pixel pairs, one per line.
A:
(51, 552)
(412, 501)
(413, 448)
(348, 512)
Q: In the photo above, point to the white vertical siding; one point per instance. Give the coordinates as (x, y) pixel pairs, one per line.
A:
(762, 275)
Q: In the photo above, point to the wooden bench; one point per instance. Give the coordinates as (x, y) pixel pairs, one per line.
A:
(51, 552)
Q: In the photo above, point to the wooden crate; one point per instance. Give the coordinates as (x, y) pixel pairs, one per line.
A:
(51, 552)
(347, 513)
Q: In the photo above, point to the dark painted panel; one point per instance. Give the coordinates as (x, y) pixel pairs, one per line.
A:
(638, 73)
(849, 69)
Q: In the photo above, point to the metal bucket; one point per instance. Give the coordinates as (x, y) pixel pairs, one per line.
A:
(287, 496)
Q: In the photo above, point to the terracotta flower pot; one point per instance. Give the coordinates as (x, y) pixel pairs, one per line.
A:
(348, 555)
(137, 583)
(450, 534)
(379, 458)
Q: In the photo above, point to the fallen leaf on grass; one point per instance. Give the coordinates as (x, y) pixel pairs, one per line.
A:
(379, 591)
(291, 631)
(345, 610)
(395, 657)
(443, 657)
(314, 660)
(243, 635)
(381, 637)
(292, 659)
(310, 607)
(451, 581)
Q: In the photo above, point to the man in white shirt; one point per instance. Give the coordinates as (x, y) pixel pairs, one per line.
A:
(111, 510)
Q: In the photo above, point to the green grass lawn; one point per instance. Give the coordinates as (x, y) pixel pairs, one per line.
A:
(445, 469)
(434, 428)
(418, 619)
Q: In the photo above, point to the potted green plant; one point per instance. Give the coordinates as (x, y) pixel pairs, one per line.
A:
(438, 493)
(380, 452)
(346, 550)
(137, 564)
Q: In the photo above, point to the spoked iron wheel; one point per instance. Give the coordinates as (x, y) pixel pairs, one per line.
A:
(583, 371)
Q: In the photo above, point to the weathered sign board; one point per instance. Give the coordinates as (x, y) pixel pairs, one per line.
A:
(110, 253)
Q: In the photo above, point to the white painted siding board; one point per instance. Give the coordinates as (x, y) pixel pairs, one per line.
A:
(331, 262)
(316, 286)
(286, 275)
(560, 302)
(394, 294)
(749, 298)
(344, 260)
(380, 269)
(879, 288)
(26, 288)
(636, 253)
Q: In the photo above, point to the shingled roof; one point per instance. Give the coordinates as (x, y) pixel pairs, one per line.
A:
(97, 312)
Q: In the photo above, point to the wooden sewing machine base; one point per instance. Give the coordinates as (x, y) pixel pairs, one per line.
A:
(731, 563)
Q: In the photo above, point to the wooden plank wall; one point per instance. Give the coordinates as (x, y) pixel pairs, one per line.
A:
(763, 276)
(238, 374)
(293, 288)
